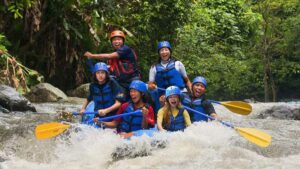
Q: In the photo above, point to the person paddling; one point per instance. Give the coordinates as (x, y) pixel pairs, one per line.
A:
(197, 100)
(106, 93)
(123, 61)
(173, 117)
(166, 72)
(139, 100)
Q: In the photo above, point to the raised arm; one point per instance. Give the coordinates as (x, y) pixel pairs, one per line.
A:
(113, 55)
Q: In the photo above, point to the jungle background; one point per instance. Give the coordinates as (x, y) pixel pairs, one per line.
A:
(245, 48)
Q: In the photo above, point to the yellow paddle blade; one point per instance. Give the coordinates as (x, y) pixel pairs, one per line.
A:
(255, 136)
(49, 130)
(238, 107)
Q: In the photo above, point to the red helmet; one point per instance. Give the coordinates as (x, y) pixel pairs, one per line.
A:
(117, 33)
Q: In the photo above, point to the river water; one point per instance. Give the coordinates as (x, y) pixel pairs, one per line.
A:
(203, 145)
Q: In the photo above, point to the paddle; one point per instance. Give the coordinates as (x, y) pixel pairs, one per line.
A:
(67, 116)
(116, 116)
(253, 135)
(49, 130)
(238, 107)
(77, 113)
(52, 129)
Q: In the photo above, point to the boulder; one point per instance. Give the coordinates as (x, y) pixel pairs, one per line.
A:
(281, 112)
(45, 92)
(81, 91)
(3, 110)
(11, 100)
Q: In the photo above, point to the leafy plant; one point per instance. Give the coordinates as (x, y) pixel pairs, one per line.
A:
(17, 75)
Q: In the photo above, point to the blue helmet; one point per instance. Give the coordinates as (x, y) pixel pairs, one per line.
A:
(200, 79)
(138, 85)
(173, 90)
(100, 66)
(164, 44)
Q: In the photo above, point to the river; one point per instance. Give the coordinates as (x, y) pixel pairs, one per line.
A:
(203, 145)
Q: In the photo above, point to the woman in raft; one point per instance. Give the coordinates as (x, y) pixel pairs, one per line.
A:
(172, 116)
(139, 100)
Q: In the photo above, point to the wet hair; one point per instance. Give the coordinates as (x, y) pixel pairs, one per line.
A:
(168, 113)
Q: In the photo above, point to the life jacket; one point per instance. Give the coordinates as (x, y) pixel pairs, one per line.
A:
(177, 123)
(195, 104)
(124, 69)
(103, 96)
(168, 76)
(132, 122)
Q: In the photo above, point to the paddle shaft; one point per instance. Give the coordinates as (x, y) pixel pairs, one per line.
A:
(76, 113)
(235, 107)
(117, 116)
(255, 136)
(211, 118)
(212, 101)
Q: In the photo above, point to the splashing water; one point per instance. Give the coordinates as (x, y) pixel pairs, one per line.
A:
(203, 145)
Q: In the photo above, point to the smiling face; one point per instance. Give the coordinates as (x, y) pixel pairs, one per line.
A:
(101, 76)
(117, 42)
(164, 54)
(173, 100)
(135, 95)
(198, 89)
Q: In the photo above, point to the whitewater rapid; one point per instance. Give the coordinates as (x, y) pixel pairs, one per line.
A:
(202, 145)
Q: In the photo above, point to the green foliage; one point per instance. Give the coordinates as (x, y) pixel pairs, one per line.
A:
(17, 7)
(3, 44)
(279, 42)
(151, 22)
(214, 41)
(224, 40)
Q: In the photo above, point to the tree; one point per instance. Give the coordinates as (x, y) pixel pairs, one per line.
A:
(214, 40)
(276, 47)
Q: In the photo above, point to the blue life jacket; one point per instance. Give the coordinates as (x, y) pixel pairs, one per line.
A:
(196, 105)
(132, 122)
(103, 96)
(177, 123)
(168, 76)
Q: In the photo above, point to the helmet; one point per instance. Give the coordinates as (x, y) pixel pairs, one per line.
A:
(117, 33)
(200, 79)
(164, 44)
(138, 85)
(100, 66)
(173, 90)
